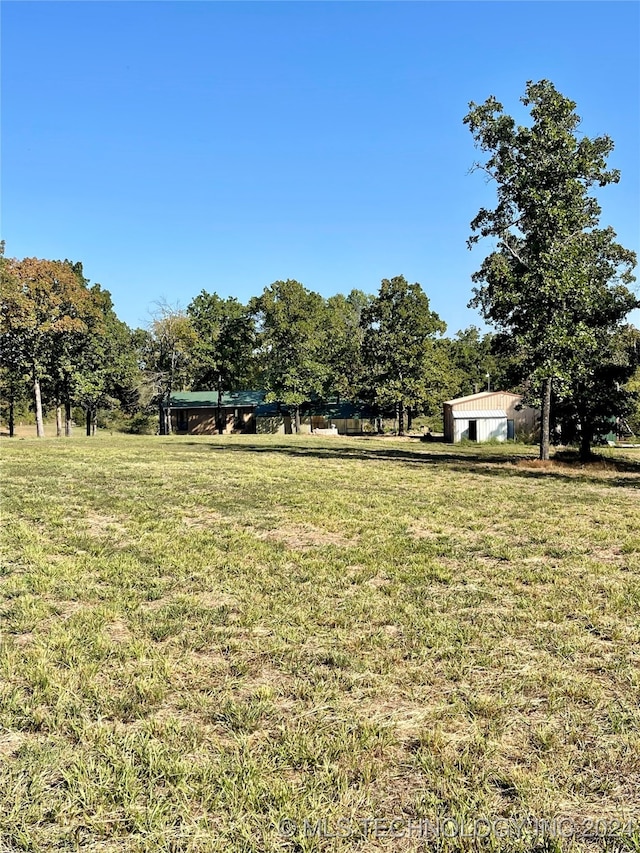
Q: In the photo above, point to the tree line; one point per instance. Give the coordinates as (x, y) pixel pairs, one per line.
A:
(63, 348)
(555, 287)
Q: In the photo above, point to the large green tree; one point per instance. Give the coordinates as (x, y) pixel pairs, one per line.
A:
(344, 334)
(223, 352)
(406, 367)
(106, 373)
(290, 324)
(599, 393)
(44, 309)
(556, 282)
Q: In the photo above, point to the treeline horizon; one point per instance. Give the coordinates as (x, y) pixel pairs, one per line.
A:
(64, 348)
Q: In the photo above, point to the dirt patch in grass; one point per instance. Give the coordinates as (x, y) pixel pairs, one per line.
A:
(118, 631)
(23, 639)
(106, 526)
(215, 599)
(204, 519)
(67, 609)
(10, 743)
(303, 537)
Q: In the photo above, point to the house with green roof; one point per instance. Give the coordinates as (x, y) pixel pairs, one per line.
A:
(198, 412)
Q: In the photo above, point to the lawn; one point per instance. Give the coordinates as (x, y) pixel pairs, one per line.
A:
(260, 643)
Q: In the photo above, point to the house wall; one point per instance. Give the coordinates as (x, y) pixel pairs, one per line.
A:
(348, 426)
(284, 424)
(203, 421)
(345, 426)
(274, 425)
(487, 429)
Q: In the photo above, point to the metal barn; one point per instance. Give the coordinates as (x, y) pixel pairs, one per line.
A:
(497, 415)
(479, 425)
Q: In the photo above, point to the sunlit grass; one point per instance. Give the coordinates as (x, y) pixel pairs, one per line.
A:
(201, 637)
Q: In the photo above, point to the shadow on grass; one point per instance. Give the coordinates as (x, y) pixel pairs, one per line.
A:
(501, 464)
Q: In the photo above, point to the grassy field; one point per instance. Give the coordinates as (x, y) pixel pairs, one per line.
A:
(207, 642)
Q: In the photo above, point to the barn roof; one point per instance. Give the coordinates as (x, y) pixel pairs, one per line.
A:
(477, 414)
(480, 396)
(209, 399)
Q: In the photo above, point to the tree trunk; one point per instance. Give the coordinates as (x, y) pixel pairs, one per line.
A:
(545, 418)
(400, 418)
(409, 418)
(160, 417)
(58, 413)
(379, 425)
(88, 421)
(38, 403)
(297, 417)
(167, 410)
(67, 417)
(94, 420)
(219, 409)
(586, 440)
(11, 418)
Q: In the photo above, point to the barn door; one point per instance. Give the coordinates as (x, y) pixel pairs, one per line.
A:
(473, 430)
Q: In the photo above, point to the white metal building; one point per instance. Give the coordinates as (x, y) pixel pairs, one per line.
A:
(480, 425)
(497, 415)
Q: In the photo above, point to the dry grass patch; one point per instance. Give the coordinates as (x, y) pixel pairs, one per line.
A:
(302, 537)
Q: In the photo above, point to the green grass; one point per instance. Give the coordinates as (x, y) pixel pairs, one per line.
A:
(202, 637)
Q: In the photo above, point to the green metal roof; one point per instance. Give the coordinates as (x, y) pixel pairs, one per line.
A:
(327, 409)
(209, 399)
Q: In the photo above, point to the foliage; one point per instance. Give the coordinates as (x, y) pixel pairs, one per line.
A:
(167, 354)
(405, 367)
(222, 355)
(479, 361)
(556, 283)
(291, 335)
(344, 335)
(45, 315)
(603, 392)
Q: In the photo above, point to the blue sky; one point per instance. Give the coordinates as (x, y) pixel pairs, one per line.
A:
(179, 146)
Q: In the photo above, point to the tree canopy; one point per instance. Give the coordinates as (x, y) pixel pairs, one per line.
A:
(556, 283)
(405, 368)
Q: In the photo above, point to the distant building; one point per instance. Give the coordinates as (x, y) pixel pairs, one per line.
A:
(195, 413)
(497, 415)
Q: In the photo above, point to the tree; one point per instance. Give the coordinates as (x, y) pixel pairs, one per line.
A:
(556, 283)
(69, 347)
(43, 310)
(13, 356)
(404, 364)
(472, 355)
(170, 345)
(106, 373)
(598, 394)
(292, 341)
(344, 335)
(223, 353)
